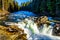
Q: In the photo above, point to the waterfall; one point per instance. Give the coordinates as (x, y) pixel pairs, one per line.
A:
(46, 29)
(32, 30)
(29, 27)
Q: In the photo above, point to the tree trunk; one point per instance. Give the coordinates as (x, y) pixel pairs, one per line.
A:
(2, 4)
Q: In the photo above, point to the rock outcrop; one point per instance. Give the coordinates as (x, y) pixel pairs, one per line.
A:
(56, 29)
(42, 20)
(3, 14)
(12, 33)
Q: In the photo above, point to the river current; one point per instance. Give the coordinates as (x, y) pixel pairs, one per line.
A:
(25, 20)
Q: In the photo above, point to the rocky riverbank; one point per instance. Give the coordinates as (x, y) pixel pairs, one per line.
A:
(3, 14)
(12, 33)
(29, 23)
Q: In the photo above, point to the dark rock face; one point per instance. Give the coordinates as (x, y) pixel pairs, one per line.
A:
(56, 30)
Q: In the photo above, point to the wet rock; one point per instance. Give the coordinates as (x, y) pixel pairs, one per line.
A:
(42, 20)
(56, 30)
(12, 33)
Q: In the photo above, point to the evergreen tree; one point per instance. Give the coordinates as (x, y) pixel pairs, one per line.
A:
(0, 4)
(9, 5)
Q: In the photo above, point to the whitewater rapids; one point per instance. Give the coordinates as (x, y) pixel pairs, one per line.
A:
(33, 33)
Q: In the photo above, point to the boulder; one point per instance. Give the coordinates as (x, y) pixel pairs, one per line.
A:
(56, 29)
(12, 33)
(42, 20)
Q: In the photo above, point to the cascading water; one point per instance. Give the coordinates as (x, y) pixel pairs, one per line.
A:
(29, 26)
(44, 32)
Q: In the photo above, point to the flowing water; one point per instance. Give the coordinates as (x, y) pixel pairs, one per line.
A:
(25, 20)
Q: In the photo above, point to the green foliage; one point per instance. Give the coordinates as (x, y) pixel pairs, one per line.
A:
(49, 6)
(25, 3)
(0, 4)
(9, 5)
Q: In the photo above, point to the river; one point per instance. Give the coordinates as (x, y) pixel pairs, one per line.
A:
(25, 20)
